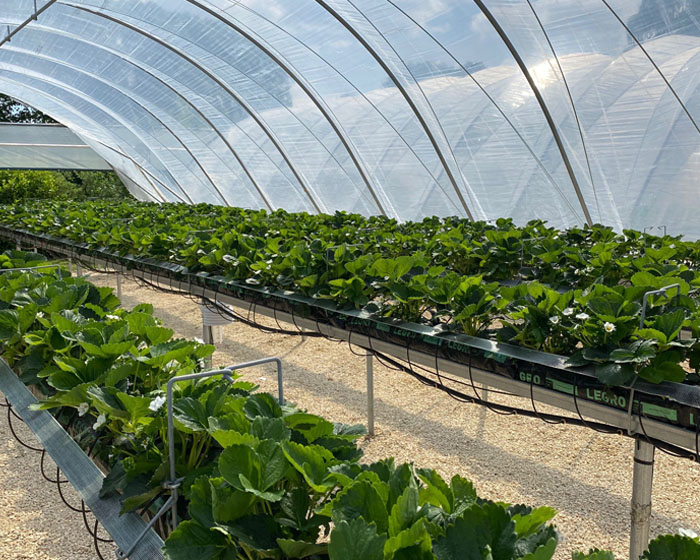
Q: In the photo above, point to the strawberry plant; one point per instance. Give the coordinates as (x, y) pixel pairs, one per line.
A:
(577, 292)
(262, 480)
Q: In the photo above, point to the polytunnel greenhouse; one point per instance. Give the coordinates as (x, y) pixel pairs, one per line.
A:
(440, 268)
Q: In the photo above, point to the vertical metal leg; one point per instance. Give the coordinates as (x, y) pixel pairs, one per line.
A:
(208, 338)
(19, 246)
(483, 412)
(641, 497)
(78, 269)
(119, 286)
(370, 393)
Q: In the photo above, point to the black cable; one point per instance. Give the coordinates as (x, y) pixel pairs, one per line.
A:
(578, 411)
(534, 407)
(640, 415)
(480, 399)
(57, 480)
(14, 433)
(96, 542)
(358, 354)
(92, 532)
(63, 498)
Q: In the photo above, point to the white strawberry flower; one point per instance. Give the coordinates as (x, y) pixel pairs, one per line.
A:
(609, 327)
(83, 408)
(568, 311)
(198, 340)
(101, 421)
(554, 320)
(112, 317)
(583, 316)
(156, 404)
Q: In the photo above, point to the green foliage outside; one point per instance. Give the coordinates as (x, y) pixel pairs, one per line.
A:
(20, 185)
(13, 111)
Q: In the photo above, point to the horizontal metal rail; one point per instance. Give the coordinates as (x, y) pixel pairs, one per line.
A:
(80, 471)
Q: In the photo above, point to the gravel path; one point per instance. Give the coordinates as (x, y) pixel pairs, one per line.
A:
(35, 524)
(584, 475)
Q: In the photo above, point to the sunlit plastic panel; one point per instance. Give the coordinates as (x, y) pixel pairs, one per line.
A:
(169, 107)
(165, 144)
(269, 91)
(105, 135)
(257, 157)
(38, 146)
(526, 108)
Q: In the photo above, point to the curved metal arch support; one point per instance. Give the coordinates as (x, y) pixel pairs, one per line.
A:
(107, 111)
(255, 183)
(312, 95)
(351, 84)
(653, 63)
(91, 141)
(676, 118)
(128, 180)
(393, 76)
(150, 177)
(540, 100)
(29, 20)
(306, 187)
(151, 113)
(571, 100)
(488, 96)
(123, 174)
(462, 141)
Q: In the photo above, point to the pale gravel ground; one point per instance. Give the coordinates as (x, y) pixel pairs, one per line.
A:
(34, 522)
(584, 475)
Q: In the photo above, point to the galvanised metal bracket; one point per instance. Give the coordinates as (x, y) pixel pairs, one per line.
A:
(174, 483)
(661, 291)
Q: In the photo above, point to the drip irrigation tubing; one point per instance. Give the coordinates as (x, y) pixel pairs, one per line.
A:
(58, 481)
(395, 364)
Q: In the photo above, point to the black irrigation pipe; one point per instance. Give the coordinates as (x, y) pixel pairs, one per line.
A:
(396, 365)
(667, 448)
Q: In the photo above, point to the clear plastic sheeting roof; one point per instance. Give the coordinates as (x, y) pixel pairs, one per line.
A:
(46, 146)
(571, 111)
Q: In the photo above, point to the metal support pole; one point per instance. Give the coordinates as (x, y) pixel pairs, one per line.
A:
(78, 269)
(370, 393)
(208, 338)
(19, 246)
(174, 483)
(641, 497)
(119, 286)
